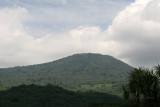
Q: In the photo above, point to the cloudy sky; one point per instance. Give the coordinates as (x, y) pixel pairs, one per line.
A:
(38, 31)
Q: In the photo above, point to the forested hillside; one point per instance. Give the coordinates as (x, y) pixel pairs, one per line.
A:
(51, 96)
(77, 72)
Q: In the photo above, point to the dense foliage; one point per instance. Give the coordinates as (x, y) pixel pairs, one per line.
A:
(143, 87)
(51, 96)
(77, 72)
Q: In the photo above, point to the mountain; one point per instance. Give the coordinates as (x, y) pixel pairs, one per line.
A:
(77, 72)
(51, 96)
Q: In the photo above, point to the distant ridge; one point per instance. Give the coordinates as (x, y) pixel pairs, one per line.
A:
(51, 96)
(77, 72)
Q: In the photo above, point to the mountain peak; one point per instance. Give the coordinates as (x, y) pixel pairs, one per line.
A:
(72, 72)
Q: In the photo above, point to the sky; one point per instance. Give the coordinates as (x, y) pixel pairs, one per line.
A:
(39, 31)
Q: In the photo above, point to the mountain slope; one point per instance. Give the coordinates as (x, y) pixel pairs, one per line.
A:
(50, 96)
(79, 72)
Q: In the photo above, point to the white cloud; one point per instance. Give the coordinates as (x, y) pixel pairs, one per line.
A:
(19, 48)
(133, 36)
(136, 29)
(13, 36)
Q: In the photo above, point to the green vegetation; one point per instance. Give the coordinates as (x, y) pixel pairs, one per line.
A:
(143, 87)
(82, 72)
(52, 96)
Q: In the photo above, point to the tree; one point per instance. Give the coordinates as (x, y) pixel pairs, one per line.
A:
(125, 92)
(136, 83)
(157, 68)
(143, 85)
